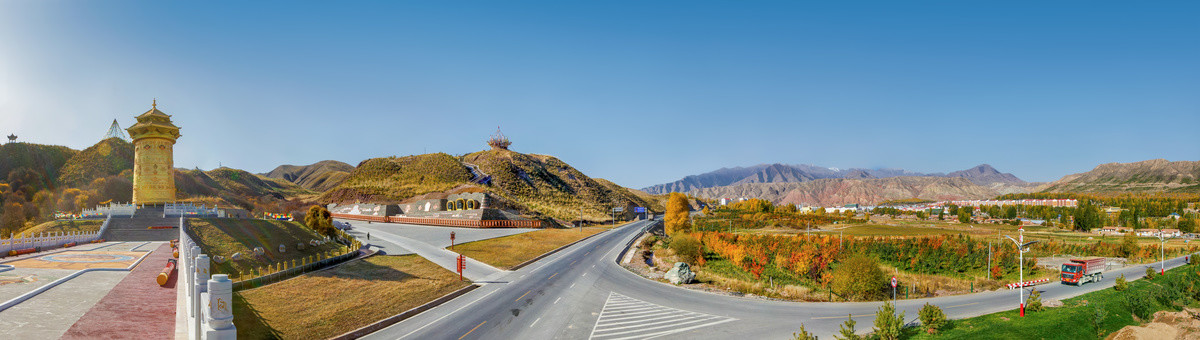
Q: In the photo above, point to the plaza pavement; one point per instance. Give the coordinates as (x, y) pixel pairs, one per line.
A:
(50, 314)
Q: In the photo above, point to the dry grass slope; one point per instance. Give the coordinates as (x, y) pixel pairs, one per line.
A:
(366, 291)
(506, 252)
(224, 237)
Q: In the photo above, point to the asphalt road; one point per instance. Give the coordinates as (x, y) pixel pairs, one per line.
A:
(582, 293)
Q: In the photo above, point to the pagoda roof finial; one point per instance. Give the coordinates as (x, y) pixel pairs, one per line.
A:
(154, 103)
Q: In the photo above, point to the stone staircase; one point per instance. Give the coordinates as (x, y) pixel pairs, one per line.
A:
(135, 228)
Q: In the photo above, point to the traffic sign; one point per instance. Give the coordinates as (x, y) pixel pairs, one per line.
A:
(894, 282)
(639, 210)
(619, 209)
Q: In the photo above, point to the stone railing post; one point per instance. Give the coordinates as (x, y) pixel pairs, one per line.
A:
(220, 309)
(202, 274)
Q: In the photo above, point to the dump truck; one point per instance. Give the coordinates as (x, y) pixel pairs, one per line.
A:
(1080, 271)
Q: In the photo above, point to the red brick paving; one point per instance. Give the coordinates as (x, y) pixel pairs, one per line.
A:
(137, 308)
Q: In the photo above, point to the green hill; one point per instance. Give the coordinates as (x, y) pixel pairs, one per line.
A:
(107, 158)
(538, 185)
(229, 186)
(43, 160)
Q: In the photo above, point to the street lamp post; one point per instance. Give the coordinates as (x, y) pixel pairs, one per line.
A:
(1022, 247)
(1162, 253)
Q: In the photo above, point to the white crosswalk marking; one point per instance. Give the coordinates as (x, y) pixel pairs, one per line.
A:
(626, 318)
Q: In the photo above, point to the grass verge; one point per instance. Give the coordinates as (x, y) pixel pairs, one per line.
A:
(224, 237)
(1088, 316)
(367, 291)
(509, 251)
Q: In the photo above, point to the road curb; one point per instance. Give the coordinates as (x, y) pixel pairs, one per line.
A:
(381, 324)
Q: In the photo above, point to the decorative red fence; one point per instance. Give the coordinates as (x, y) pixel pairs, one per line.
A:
(445, 222)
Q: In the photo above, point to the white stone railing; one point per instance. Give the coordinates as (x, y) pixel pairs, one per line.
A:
(210, 300)
(43, 241)
(112, 209)
(188, 210)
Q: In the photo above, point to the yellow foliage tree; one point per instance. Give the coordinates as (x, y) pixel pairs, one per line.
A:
(677, 213)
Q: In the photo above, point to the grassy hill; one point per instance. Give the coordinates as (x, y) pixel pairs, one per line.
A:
(227, 186)
(1156, 175)
(107, 158)
(320, 176)
(538, 185)
(393, 179)
(44, 160)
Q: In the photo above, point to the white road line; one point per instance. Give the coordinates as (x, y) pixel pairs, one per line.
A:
(656, 321)
(572, 286)
(534, 322)
(448, 314)
(556, 300)
(673, 331)
(630, 318)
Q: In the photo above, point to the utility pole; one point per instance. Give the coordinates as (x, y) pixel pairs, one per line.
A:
(1022, 247)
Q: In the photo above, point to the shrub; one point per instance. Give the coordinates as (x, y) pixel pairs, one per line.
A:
(803, 334)
(320, 220)
(649, 241)
(847, 330)
(1121, 284)
(1149, 273)
(1034, 302)
(1138, 302)
(997, 273)
(1098, 315)
(932, 318)
(859, 278)
(1195, 259)
(888, 325)
(687, 248)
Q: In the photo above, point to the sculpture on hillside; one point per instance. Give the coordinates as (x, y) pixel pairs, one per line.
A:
(12, 138)
(499, 140)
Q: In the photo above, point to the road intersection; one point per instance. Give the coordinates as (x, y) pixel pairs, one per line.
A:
(583, 293)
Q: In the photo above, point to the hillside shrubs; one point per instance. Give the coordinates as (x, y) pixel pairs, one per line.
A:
(932, 318)
(1034, 302)
(1120, 284)
(859, 278)
(688, 249)
(888, 325)
(846, 330)
(320, 220)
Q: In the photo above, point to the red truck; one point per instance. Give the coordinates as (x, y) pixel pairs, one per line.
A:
(1080, 271)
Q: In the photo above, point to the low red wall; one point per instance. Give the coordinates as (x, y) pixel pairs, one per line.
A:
(445, 222)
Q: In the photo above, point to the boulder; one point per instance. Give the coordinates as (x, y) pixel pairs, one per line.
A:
(259, 251)
(680, 274)
(218, 259)
(282, 249)
(236, 256)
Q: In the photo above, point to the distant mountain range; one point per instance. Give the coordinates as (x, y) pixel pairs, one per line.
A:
(839, 191)
(983, 175)
(1146, 176)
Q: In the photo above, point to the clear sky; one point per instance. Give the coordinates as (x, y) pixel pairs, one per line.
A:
(639, 92)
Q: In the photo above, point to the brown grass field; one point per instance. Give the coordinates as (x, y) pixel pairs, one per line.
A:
(64, 226)
(328, 303)
(509, 251)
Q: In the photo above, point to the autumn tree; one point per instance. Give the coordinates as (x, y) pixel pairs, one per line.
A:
(677, 213)
(320, 220)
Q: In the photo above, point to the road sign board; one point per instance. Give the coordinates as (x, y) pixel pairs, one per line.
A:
(639, 209)
(619, 209)
(894, 282)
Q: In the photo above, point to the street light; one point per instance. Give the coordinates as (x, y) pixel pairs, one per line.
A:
(1162, 253)
(1022, 247)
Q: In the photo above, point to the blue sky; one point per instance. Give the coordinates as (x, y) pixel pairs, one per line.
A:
(637, 92)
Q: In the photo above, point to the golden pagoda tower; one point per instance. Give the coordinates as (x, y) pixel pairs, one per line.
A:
(153, 158)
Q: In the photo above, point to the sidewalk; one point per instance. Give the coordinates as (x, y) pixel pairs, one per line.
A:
(137, 308)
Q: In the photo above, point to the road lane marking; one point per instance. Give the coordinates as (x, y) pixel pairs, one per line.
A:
(965, 304)
(472, 330)
(573, 262)
(627, 318)
(584, 274)
(556, 300)
(572, 286)
(552, 276)
(450, 313)
(534, 322)
(839, 317)
(523, 295)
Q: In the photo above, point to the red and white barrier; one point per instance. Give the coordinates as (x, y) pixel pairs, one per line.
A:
(1026, 283)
